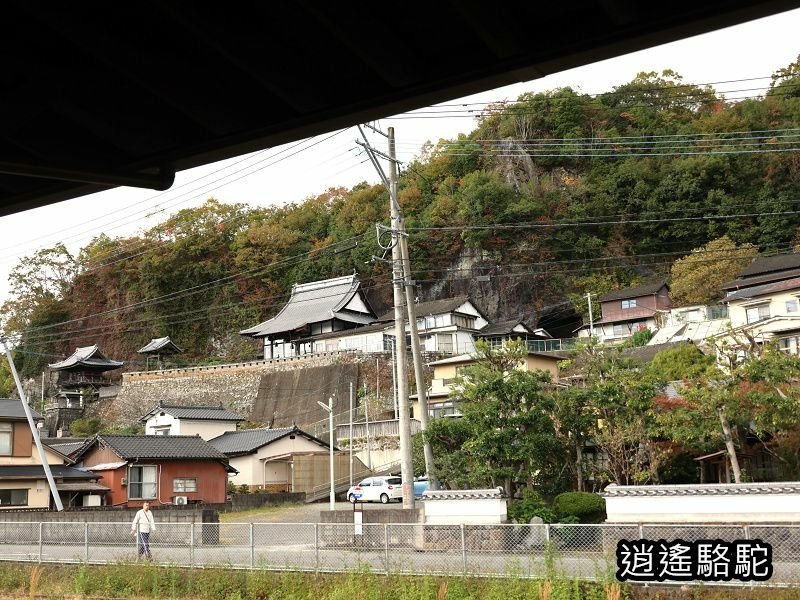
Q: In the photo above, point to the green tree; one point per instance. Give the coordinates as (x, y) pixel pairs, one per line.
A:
(506, 435)
(696, 278)
(752, 392)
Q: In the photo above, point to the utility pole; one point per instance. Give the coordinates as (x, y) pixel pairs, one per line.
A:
(591, 320)
(34, 431)
(419, 374)
(398, 276)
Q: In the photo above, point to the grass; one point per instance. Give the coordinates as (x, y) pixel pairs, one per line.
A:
(151, 581)
(245, 516)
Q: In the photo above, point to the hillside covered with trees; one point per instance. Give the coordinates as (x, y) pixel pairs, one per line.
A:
(552, 196)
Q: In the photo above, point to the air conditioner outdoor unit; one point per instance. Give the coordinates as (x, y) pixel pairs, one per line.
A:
(180, 500)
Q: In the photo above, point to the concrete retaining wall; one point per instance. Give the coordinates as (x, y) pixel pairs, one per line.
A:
(250, 501)
(260, 390)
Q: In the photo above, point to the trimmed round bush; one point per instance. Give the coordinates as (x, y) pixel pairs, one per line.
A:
(584, 506)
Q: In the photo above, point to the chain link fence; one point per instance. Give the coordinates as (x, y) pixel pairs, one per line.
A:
(561, 550)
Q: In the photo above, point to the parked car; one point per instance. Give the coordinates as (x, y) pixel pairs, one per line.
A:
(420, 485)
(377, 489)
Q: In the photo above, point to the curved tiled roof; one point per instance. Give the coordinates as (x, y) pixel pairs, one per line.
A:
(162, 345)
(707, 489)
(87, 357)
(312, 303)
(487, 494)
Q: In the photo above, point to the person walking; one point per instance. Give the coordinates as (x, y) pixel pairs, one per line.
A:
(144, 525)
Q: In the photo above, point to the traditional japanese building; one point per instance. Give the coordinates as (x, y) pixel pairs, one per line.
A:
(313, 309)
(77, 379)
(158, 348)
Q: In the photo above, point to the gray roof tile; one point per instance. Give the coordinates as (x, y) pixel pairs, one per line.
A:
(36, 471)
(12, 409)
(633, 292)
(162, 345)
(88, 357)
(161, 447)
(314, 302)
(195, 413)
(247, 441)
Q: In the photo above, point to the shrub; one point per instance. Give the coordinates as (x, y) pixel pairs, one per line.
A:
(587, 507)
(530, 505)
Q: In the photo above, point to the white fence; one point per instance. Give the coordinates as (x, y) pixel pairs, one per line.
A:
(572, 551)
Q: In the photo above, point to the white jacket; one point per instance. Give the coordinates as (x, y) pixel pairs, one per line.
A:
(143, 521)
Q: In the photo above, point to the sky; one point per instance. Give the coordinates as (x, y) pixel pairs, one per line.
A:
(294, 172)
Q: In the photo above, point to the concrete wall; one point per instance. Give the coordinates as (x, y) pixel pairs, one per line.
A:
(250, 501)
(275, 391)
(777, 502)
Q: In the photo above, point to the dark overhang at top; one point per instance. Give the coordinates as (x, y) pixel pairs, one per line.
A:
(96, 95)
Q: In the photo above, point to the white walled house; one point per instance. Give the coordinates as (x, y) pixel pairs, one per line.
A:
(281, 460)
(764, 302)
(446, 326)
(208, 422)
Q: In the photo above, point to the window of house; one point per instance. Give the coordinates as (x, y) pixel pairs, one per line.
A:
(444, 409)
(430, 322)
(757, 313)
(621, 329)
(789, 344)
(6, 439)
(13, 497)
(184, 484)
(142, 482)
(791, 306)
(628, 304)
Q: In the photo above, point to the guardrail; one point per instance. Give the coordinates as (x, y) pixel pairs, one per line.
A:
(586, 552)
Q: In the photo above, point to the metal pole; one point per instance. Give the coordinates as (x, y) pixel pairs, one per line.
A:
(394, 381)
(591, 320)
(41, 539)
(191, 544)
(330, 438)
(351, 434)
(86, 542)
(252, 547)
(463, 549)
(316, 547)
(404, 418)
(366, 419)
(386, 545)
(34, 430)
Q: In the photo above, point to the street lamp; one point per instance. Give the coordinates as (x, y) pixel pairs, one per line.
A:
(329, 407)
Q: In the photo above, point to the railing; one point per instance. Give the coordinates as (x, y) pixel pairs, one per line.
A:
(579, 552)
(551, 345)
(341, 484)
(376, 429)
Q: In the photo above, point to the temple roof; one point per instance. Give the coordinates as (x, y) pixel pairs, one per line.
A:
(162, 345)
(315, 302)
(88, 358)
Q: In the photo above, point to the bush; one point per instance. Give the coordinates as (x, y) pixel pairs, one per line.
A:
(585, 506)
(530, 505)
